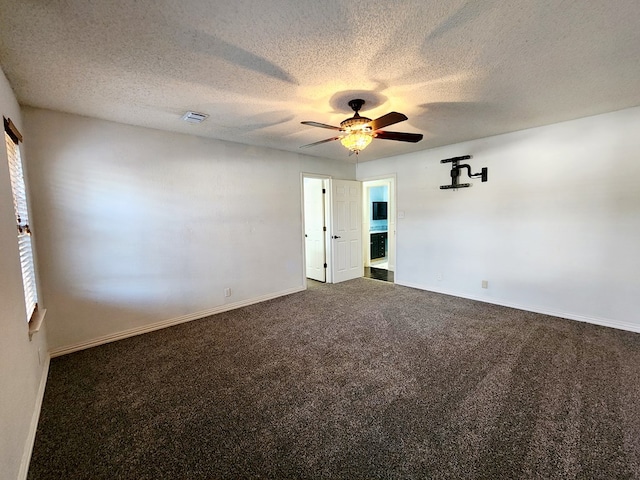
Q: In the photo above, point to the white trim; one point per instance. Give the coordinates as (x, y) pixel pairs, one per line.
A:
(390, 180)
(375, 178)
(326, 185)
(36, 321)
(33, 428)
(605, 322)
(169, 323)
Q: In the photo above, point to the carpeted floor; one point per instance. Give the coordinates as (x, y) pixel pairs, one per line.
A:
(361, 380)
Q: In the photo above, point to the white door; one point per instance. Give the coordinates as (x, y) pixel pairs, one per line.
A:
(346, 230)
(314, 228)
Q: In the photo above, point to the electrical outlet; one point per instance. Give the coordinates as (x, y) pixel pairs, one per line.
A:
(227, 292)
(485, 283)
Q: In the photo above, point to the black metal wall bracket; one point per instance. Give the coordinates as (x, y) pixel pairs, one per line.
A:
(455, 172)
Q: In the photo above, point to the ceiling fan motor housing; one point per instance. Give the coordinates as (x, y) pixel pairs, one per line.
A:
(356, 104)
(356, 123)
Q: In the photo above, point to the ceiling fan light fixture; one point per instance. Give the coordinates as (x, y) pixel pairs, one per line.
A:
(358, 133)
(356, 123)
(356, 140)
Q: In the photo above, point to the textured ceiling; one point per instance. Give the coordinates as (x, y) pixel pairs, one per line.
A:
(459, 69)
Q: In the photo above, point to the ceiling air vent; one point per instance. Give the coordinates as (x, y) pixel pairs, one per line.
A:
(194, 117)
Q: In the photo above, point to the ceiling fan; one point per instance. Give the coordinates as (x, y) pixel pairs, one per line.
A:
(357, 132)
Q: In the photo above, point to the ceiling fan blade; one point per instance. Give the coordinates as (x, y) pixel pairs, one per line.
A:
(399, 136)
(321, 141)
(386, 120)
(321, 125)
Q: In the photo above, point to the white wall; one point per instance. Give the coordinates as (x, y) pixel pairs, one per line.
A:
(22, 373)
(556, 229)
(139, 226)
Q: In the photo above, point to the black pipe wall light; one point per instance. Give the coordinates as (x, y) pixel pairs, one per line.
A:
(455, 172)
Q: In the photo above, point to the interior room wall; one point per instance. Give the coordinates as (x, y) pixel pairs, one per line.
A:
(555, 229)
(140, 226)
(23, 362)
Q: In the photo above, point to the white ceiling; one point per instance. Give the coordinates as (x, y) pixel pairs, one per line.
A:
(459, 69)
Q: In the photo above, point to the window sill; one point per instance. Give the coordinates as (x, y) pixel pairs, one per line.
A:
(36, 321)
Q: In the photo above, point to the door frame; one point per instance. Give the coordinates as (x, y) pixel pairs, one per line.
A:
(391, 180)
(367, 182)
(327, 219)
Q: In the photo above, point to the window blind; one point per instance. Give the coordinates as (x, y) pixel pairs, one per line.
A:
(18, 188)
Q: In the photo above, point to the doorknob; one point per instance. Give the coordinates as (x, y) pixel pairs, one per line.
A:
(336, 236)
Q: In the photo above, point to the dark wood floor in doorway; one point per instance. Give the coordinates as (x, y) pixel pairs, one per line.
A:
(378, 274)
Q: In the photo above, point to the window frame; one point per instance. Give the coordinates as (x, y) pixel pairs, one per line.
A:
(13, 138)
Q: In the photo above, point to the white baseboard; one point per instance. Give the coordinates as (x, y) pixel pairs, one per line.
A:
(33, 427)
(169, 323)
(605, 322)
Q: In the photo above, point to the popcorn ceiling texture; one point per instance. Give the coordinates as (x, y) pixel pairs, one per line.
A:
(459, 70)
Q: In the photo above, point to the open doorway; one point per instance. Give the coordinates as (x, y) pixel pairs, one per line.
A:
(332, 221)
(379, 228)
(315, 227)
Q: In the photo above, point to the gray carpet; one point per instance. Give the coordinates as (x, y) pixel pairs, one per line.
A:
(363, 379)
